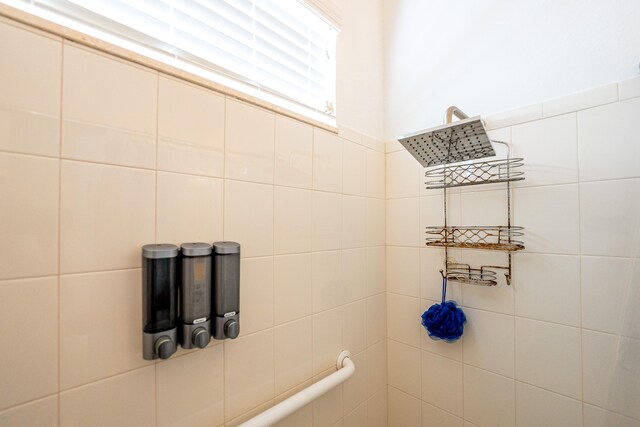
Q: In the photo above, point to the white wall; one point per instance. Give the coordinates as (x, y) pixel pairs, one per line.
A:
(497, 55)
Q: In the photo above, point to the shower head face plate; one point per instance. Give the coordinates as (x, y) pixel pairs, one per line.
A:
(454, 142)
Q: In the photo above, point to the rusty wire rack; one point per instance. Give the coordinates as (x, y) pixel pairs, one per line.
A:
(475, 173)
(496, 238)
(463, 273)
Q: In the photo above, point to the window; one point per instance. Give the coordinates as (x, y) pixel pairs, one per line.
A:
(277, 50)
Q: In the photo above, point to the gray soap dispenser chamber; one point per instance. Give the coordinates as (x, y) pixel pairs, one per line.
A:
(226, 290)
(159, 300)
(195, 295)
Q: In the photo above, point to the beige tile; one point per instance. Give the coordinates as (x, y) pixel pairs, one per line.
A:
(326, 221)
(29, 319)
(442, 382)
(292, 287)
(404, 409)
(248, 213)
(377, 409)
(403, 271)
(354, 172)
(497, 298)
(326, 281)
(489, 341)
(249, 150)
(376, 270)
(403, 175)
(97, 340)
(581, 100)
(376, 367)
(354, 263)
(327, 339)
(350, 134)
(375, 164)
(29, 92)
(357, 417)
(355, 388)
(294, 153)
(432, 416)
(404, 368)
(29, 206)
(354, 227)
(534, 404)
(191, 124)
(302, 417)
(354, 327)
(256, 294)
(489, 399)
(602, 354)
(373, 143)
(189, 208)
(248, 372)
(376, 310)
(292, 225)
(236, 422)
(328, 408)
(190, 389)
(403, 222)
(403, 319)
(107, 214)
(40, 413)
(293, 354)
(598, 417)
(375, 219)
(327, 161)
(123, 400)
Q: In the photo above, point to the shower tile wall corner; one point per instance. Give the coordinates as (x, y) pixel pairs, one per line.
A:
(546, 347)
(99, 156)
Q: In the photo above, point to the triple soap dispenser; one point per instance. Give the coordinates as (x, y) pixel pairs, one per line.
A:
(189, 295)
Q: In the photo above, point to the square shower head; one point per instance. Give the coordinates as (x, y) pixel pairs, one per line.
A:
(454, 142)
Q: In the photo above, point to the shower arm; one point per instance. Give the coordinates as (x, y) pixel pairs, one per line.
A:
(448, 118)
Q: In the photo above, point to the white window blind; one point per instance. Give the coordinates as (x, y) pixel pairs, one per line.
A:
(276, 47)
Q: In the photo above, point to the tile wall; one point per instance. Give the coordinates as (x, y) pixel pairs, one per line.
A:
(548, 349)
(98, 157)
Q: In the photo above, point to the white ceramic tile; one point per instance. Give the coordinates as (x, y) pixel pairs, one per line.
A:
(404, 410)
(375, 221)
(549, 148)
(327, 161)
(497, 298)
(256, 296)
(326, 221)
(377, 409)
(442, 382)
(29, 319)
(403, 271)
(248, 213)
(601, 353)
(349, 134)
(534, 404)
(434, 417)
(404, 366)
(124, 400)
(354, 226)
(609, 217)
(96, 337)
(326, 281)
(355, 388)
(175, 221)
(376, 272)
(376, 312)
(513, 117)
(483, 208)
(403, 175)
(29, 91)
(392, 146)
(607, 144)
(353, 267)
(357, 417)
(41, 413)
(489, 399)
(190, 129)
(292, 225)
(598, 417)
(354, 172)
(489, 341)
(547, 287)
(432, 212)
(403, 319)
(431, 262)
(29, 225)
(403, 222)
(248, 380)
(375, 174)
(376, 367)
(354, 326)
(629, 88)
(294, 153)
(292, 287)
(373, 143)
(549, 356)
(293, 354)
(249, 150)
(437, 346)
(107, 214)
(606, 284)
(190, 389)
(537, 210)
(327, 339)
(581, 100)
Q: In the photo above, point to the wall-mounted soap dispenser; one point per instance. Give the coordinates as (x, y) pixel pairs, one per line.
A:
(226, 289)
(195, 295)
(159, 300)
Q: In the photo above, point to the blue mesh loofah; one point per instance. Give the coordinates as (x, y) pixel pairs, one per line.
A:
(444, 321)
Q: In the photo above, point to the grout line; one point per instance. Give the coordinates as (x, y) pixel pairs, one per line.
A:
(58, 284)
(155, 230)
(582, 372)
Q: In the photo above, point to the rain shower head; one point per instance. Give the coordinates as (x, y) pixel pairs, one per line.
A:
(450, 143)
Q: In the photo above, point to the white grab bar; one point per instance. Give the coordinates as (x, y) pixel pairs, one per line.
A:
(346, 368)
